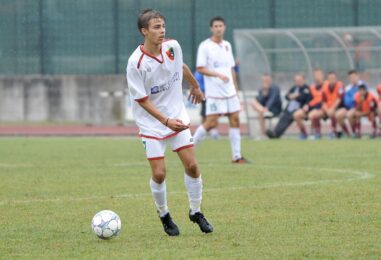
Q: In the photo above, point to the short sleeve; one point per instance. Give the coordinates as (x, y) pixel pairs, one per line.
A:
(135, 83)
(202, 56)
(178, 49)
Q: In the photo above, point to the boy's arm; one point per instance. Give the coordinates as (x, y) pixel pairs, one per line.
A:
(196, 95)
(172, 123)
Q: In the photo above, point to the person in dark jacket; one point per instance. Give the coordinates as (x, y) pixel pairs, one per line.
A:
(298, 96)
(268, 101)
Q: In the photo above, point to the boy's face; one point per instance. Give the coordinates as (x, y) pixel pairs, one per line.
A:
(218, 28)
(332, 79)
(362, 92)
(319, 76)
(155, 32)
(353, 78)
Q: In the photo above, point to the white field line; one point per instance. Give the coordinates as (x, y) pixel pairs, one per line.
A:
(358, 176)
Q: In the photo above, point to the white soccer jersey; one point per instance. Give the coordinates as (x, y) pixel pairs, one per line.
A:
(217, 57)
(160, 80)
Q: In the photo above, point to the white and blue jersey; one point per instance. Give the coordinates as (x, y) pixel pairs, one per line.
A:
(350, 92)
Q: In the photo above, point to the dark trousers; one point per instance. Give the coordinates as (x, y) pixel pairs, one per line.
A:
(285, 120)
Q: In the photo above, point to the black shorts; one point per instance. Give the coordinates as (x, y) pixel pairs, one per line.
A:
(203, 108)
(314, 108)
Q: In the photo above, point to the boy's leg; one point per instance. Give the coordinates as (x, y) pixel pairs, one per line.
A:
(353, 120)
(155, 154)
(211, 121)
(340, 117)
(299, 116)
(315, 116)
(182, 144)
(235, 136)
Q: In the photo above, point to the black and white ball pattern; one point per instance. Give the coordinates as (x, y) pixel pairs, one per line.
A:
(106, 224)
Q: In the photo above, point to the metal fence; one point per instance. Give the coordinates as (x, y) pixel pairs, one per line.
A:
(97, 36)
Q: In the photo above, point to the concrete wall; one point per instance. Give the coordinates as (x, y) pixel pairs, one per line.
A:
(62, 99)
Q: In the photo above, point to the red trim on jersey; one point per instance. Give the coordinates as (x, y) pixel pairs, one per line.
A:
(183, 147)
(151, 56)
(159, 138)
(155, 158)
(141, 99)
(140, 60)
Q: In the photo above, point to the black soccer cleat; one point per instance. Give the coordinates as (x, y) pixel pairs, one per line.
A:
(204, 225)
(169, 226)
(270, 134)
(241, 160)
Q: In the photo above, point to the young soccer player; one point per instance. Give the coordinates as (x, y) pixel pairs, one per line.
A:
(155, 72)
(333, 91)
(215, 61)
(365, 105)
(348, 102)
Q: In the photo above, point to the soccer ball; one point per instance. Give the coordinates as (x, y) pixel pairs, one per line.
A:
(106, 224)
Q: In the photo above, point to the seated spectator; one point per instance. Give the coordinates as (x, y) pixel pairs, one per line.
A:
(268, 101)
(312, 110)
(298, 96)
(365, 105)
(333, 91)
(348, 103)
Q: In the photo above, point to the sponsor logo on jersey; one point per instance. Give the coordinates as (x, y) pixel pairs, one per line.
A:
(170, 53)
(155, 90)
(166, 86)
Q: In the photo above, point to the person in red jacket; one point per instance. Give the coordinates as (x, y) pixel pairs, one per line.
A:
(365, 105)
(312, 110)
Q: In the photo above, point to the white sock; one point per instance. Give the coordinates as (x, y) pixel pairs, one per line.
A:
(194, 188)
(159, 193)
(199, 135)
(235, 142)
(214, 133)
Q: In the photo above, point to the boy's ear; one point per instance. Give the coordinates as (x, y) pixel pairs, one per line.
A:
(144, 31)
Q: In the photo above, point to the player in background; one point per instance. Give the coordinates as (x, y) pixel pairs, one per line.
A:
(365, 105)
(312, 109)
(333, 91)
(200, 79)
(155, 71)
(348, 102)
(298, 96)
(268, 102)
(216, 62)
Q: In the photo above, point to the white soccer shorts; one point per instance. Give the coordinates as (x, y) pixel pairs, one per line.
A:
(222, 106)
(155, 148)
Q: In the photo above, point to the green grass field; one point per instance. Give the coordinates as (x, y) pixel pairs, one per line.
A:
(297, 200)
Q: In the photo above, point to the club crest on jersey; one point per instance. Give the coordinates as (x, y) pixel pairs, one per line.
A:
(170, 53)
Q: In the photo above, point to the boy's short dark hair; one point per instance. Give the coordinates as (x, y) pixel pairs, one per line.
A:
(331, 73)
(216, 19)
(352, 72)
(362, 86)
(145, 16)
